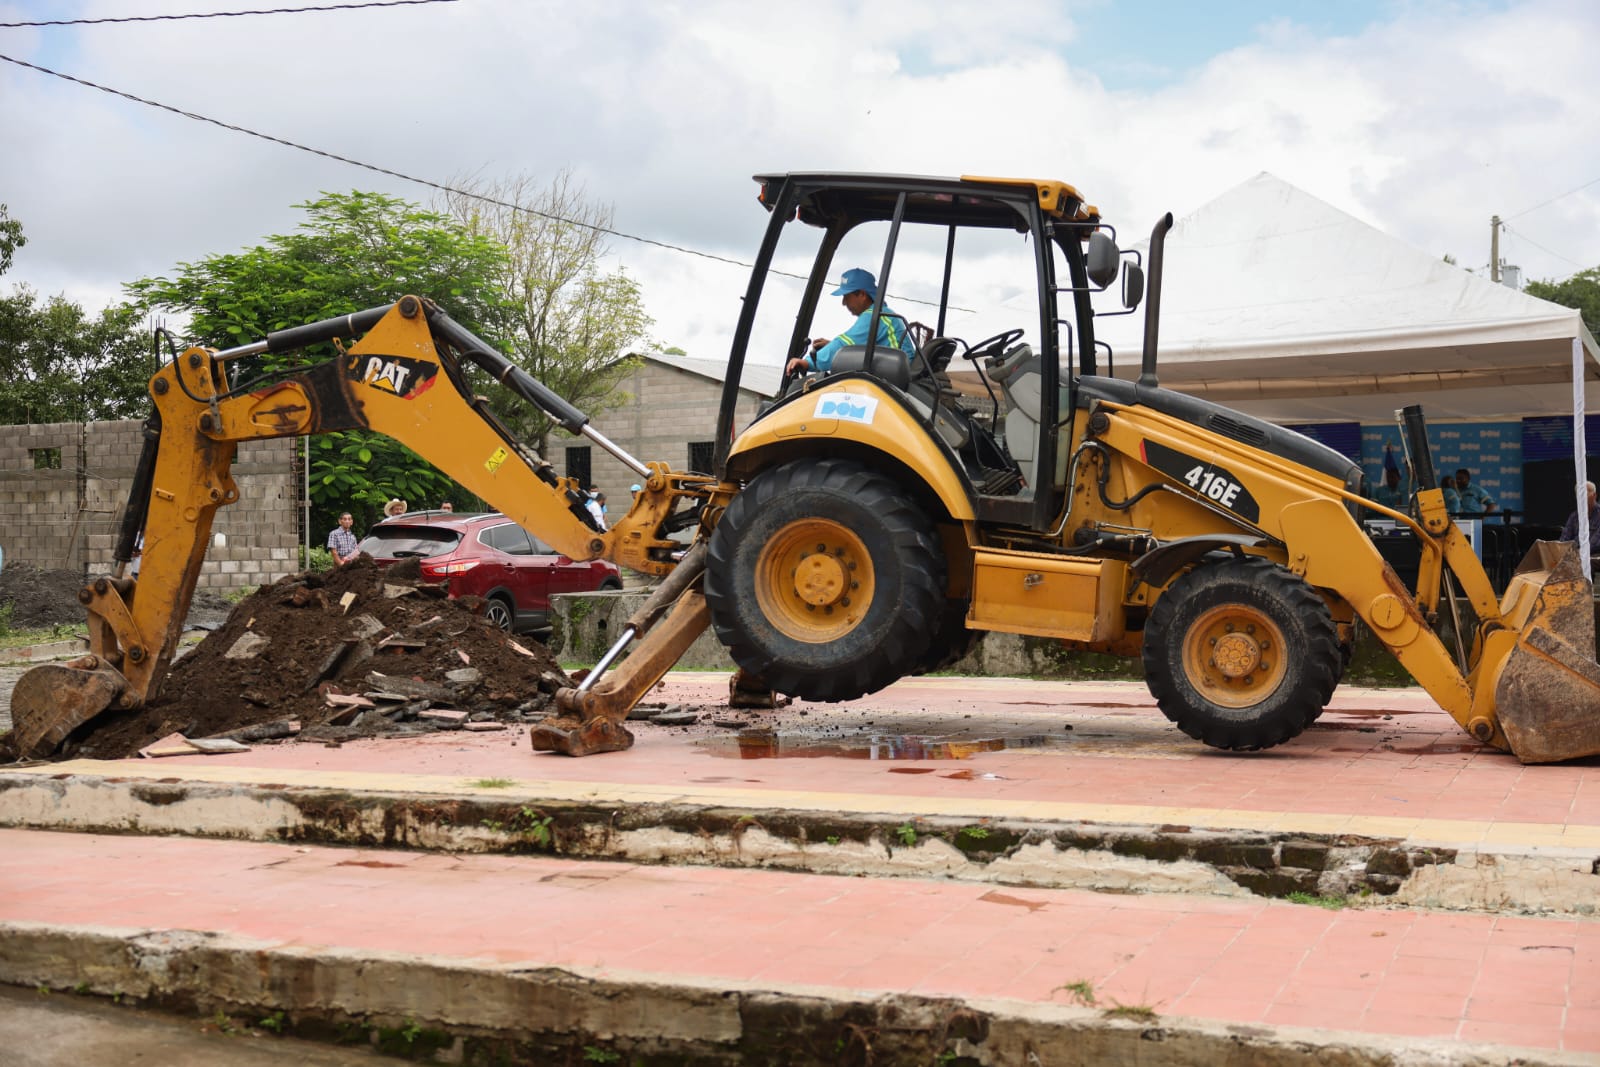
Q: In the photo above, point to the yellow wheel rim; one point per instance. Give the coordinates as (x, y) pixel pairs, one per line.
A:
(1234, 656)
(814, 580)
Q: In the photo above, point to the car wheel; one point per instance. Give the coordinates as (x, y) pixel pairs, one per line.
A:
(499, 612)
(610, 585)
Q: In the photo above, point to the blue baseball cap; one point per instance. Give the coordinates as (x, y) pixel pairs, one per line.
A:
(857, 279)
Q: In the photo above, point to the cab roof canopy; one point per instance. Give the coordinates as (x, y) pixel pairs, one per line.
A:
(827, 199)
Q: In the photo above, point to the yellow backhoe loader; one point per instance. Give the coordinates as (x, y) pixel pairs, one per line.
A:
(870, 522)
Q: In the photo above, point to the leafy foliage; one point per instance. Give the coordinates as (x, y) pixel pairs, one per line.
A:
(1581, 291)
(11, 238)
(354, 251)
(572, 325)
(60, 364)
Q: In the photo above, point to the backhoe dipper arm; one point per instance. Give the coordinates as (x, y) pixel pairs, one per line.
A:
(402, 379)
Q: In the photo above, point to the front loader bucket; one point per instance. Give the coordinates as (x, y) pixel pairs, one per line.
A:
(1548, 695)
(54, 699)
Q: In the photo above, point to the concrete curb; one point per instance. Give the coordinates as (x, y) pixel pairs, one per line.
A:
(477, 1011)
(1361, 870)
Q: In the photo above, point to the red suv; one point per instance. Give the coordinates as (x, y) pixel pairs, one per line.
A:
(492, 557)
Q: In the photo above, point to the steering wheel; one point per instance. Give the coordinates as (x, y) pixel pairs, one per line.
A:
(999, 342)
(790, 376)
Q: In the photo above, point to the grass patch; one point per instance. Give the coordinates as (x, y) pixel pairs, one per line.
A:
(1081, 991)
(1312, 900)
(10, 638)
(492, 783)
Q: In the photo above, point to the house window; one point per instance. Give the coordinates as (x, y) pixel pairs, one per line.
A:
(578, 465)
(45, 459)
(702, 456)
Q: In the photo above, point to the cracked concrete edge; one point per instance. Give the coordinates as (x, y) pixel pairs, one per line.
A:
(489, 1004)
(1011, 851)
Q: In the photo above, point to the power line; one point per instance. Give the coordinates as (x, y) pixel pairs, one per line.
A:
(1552, 200)
(426, 183)
(1541, 247)
(221, 14)
(438, 186)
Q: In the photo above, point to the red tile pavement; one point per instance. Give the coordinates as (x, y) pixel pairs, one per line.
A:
(1416, 764)
(1520, 981)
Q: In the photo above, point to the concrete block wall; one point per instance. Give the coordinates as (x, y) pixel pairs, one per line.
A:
(667, 408)
(68, 518)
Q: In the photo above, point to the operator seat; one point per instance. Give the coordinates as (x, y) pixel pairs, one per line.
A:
(888, 363)
(1019, 374)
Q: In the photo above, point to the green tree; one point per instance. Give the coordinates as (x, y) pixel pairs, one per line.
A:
(1581, 291)
(573, 325)
(59, 364)
(11, 238)
(353, 251)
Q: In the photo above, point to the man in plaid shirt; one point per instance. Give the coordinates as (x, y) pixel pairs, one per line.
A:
(341, 542)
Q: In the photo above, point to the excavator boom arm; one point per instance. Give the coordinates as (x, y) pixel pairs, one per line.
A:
(405, 379)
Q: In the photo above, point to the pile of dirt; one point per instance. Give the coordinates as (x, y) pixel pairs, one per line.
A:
(40, 598)
(358, 651)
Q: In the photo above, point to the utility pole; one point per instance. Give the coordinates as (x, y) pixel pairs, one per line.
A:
(1494, 248)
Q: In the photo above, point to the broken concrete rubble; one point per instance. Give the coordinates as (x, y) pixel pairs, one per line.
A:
(339, 654)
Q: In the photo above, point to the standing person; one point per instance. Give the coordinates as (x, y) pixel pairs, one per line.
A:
(593, 504)
(448, 507)
(1452, 499)
(859, 289)
(1393, 492)
(341, 542)
(1569, 532)
(393, 508)
(1475, 500)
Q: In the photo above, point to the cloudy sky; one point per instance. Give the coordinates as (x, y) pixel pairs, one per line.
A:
(1423, 118)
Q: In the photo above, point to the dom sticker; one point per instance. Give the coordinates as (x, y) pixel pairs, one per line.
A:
(1217, 484)
(850, 407)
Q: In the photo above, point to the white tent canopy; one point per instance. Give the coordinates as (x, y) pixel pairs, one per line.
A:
(1280, 305)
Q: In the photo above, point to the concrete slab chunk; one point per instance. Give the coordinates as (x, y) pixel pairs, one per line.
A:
(248, 646)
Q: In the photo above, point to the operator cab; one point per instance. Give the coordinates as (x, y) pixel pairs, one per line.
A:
(992, 280)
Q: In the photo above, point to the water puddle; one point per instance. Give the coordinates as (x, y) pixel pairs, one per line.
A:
(772, 744)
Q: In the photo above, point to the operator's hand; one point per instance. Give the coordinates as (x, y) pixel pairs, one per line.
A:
(797, 365)
(816, 345)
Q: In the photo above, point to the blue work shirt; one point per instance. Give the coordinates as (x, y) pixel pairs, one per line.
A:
(1474, 498)
(1396, 498)
(892, 333)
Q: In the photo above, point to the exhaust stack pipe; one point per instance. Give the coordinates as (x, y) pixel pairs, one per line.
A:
(1152, 303)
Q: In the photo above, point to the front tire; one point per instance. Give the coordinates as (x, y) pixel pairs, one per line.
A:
(1242, 655)
(825, 580)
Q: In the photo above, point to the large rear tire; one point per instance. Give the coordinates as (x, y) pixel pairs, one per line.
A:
(1242, 655)
(825, 580)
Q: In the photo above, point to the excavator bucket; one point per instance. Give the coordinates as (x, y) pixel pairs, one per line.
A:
(54, 699)
(1548, 695)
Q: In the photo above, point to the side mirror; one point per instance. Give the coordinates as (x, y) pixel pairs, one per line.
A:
(1103, 260)
(1132, 285)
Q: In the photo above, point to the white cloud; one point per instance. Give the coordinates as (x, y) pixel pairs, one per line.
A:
(1425, 124)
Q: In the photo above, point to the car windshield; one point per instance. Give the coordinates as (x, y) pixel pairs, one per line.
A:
(390, 541)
